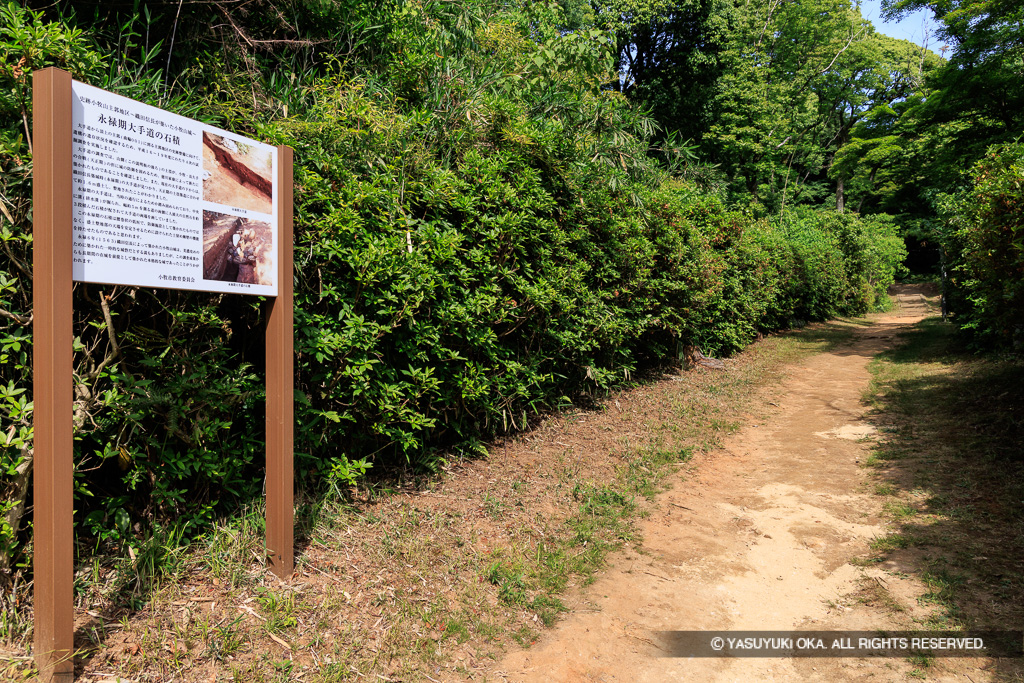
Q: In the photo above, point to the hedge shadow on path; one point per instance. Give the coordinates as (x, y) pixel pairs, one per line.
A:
(953, 454)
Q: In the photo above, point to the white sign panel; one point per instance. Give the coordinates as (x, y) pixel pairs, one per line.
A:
(160, 200)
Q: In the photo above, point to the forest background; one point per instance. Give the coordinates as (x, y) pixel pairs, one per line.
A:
(500, 209)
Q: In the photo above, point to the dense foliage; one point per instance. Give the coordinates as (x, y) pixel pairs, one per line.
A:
(804, 103)
(985, 248)
(484, 231)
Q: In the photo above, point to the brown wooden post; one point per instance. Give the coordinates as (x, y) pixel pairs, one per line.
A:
(53, 562)
(281, 387)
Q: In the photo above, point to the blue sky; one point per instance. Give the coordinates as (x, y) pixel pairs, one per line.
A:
(911, 27)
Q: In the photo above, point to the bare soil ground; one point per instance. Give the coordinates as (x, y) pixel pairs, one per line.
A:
(225, 185)
(774, 523)
(764, 534)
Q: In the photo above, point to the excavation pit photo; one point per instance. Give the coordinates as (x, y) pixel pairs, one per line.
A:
(237, 174)
(237, 249)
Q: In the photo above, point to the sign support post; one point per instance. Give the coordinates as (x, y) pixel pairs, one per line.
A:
(281, 387)
(53, 563)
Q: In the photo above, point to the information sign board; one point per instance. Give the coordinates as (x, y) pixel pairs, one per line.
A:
(128, 194)
(160, 200)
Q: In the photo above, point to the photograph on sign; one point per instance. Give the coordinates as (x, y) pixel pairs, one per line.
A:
(160, 200)
(237, 249)
(236, 173)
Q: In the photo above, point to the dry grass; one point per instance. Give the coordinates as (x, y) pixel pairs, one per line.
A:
(426, 578)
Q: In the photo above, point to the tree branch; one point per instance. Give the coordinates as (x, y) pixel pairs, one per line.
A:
(110, 324)
(14, 259)
(28, 133)
(20, 319)
(255, 42)
(848, 44)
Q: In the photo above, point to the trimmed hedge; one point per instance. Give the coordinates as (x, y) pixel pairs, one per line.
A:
(465, 259)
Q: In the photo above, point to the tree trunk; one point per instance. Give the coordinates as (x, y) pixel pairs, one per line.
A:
(840, 199)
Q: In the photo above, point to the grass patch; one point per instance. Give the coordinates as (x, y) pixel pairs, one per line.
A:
(899, 510)
(951, 463)
(645, 470)
(890, 542)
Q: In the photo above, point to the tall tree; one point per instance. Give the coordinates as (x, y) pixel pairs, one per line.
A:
(669, 59)
(905, 153)
(985, 39)
(782, 62)
(858, 101)
(977, 98)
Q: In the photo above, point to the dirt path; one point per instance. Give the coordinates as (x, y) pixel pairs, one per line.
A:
(759, 538)
(434, 580)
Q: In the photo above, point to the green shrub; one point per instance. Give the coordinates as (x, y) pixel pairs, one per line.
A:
(984, 245)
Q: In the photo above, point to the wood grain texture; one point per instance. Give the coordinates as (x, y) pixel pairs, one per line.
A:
(52, 375)
(281, 387)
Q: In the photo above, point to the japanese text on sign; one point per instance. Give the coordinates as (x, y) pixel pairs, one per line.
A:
(163, 201)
